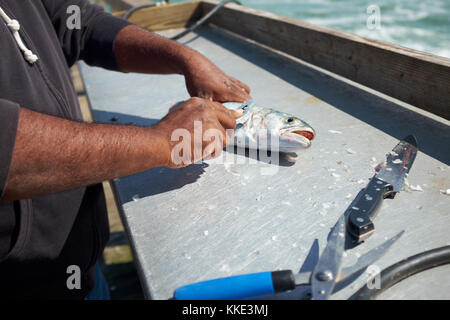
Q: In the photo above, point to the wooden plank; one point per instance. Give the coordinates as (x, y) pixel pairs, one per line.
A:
(121, 5)
(113, 254)
(178, 15)
(77, 80)
(418, 78)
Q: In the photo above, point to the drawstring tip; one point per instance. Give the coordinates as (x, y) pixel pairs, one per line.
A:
(31, 58)
(14, 26)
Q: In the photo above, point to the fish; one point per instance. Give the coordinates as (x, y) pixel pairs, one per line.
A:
(268, 129)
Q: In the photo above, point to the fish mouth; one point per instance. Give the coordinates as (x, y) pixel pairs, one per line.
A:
(308, 134)
(302, 135)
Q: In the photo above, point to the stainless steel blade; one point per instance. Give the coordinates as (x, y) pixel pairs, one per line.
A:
(329, 265)
(398, 163)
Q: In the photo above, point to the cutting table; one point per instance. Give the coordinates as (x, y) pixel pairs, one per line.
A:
(241, 213)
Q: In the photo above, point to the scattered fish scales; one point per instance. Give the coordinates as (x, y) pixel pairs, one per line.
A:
(207, 207)
(326, 205)
(335, 131)
(350, 151)
(187, 256)
(416, 188)
(225, 268)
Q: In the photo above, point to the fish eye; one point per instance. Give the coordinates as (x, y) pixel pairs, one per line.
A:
(289, 120)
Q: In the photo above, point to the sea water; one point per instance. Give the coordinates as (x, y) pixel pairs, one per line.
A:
(418, 24)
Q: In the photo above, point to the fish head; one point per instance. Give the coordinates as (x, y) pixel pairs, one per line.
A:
(264, 124)
(294, 133)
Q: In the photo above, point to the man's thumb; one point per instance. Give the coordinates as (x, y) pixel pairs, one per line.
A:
(237, 113)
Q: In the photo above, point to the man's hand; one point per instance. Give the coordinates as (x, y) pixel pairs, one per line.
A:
(205, 80)
(205, 127)
(141, 51)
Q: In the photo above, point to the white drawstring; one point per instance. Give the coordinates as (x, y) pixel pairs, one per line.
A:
(14, 26)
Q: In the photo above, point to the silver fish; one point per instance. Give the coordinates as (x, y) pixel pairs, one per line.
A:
(268, 129)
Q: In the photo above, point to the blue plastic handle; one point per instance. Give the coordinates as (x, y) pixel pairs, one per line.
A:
(230, 288)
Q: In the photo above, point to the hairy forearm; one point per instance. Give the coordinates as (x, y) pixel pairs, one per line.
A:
(138, 50)
(141, 51)
(53, 154)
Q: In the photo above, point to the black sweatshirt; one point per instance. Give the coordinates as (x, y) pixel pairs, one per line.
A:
(40, 238)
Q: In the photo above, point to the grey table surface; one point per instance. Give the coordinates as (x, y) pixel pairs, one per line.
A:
(238, 214)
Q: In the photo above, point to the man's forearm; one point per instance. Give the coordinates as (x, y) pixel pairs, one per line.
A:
(53, 154)
(137, 50)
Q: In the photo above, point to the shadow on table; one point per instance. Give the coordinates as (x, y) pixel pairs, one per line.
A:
(161, 180)
(387, 116)
(153, 181)
(268, 157)
(157, 180)
(122, 119)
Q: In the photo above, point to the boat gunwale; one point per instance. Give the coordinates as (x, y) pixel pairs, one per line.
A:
(402, 73)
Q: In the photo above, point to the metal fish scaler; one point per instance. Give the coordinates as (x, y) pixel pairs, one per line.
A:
(268, 129)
